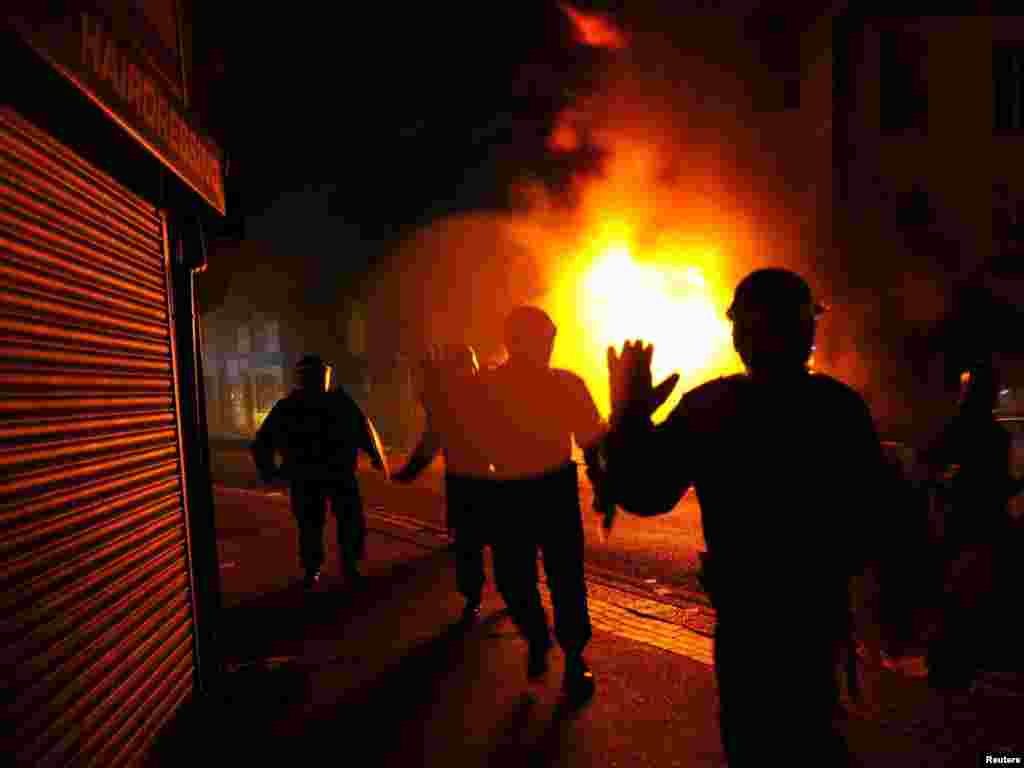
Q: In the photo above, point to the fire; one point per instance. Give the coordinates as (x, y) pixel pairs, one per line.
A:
(651, 245)
(564, 137)
(594, 30)
(609, 296)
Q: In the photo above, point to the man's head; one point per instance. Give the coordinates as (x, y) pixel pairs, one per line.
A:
(529, 336)
(312, 374)
(773, 317)
(461, 360)
(979, 388)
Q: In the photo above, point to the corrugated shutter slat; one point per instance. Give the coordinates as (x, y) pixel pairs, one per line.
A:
(97, 636)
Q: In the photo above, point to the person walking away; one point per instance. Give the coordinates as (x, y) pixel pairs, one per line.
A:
(318, 432)
(451, 398)
(533, 413)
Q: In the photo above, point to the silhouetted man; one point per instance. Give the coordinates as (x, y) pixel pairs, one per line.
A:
(783, 462)
(973, 452)
(319, 433)
(452, 402)
(534, 413)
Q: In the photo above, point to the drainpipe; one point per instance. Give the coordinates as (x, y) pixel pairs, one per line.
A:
(189, 249)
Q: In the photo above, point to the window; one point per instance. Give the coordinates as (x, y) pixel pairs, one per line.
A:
(1007, 231)
(1008, 76)
(273, 338)
(777, 83)
(903, 85)
(209, 348)
(244, 340)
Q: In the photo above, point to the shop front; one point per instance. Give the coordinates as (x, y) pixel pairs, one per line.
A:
(108, 568)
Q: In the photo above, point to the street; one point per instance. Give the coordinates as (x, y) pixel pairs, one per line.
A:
(655, 556)
(303, 668)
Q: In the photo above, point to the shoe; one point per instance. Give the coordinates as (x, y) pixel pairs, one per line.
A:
(537, 662)
(470, 614)
(579, 680)
(312, 578)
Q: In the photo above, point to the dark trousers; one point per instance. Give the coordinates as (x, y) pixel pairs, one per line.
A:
(309, 506)
(534, 515)
(778, 698)
(956, 652)
(465, 499)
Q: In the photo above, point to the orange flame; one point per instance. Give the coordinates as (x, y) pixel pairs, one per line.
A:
(564, 137)
(640, 260)
(594, 30)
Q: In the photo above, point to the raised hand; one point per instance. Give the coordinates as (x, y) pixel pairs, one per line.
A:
(633, 393)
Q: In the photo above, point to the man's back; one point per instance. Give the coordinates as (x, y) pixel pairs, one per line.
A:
(979, 446)
(318, 434)
(459, 421)
(532, 415)
(781, 474)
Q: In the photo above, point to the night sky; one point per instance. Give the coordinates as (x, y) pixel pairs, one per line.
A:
(404, 114)
(392, 105)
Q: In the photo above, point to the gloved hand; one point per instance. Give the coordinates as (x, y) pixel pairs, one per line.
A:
(633, 393)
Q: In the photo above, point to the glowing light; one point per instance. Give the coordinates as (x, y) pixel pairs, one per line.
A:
(611, 297)
(564, 138)
(594, 30)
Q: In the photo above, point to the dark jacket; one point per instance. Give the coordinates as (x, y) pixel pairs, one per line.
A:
(319, 436)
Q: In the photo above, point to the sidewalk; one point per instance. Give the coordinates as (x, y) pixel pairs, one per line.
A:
(381, 673)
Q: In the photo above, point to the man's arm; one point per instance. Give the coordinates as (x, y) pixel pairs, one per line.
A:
(647, 465)
(263, 446)
(589, 431)
(425, 452)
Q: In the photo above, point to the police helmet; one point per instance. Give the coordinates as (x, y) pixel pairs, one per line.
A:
(773, 290)
(313, 373)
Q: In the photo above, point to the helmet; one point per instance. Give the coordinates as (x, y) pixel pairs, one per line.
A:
(772, 290)
(979, 385)
(312, 372)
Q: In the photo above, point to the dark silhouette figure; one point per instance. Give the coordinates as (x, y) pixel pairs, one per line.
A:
(970, 460)
(783, 461)
(452, 398)
(318, 433)
(534, 411)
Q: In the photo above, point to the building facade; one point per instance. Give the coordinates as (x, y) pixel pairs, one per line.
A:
(928, 146)
(109, 567)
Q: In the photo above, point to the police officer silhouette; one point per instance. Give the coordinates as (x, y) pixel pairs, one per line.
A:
(786, 464)
(972, 457)
(318, 432)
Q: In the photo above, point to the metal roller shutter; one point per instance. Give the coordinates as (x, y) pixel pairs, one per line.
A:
(96, 609)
